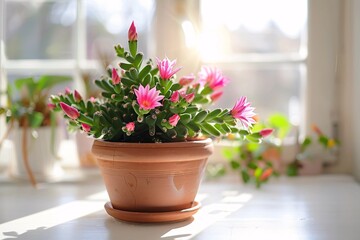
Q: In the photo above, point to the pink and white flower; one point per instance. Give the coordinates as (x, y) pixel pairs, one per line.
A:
(174, 119)
(244, 112)
(148, 98)
(212, 77)
(165, 67)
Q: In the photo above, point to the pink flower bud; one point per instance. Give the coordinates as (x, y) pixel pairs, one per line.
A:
(266, 132)
(189, 97)
(130, 127)
(71, 112)
(92, 99)
(175, 97)
(85, 127)
(186, 80)
(174, 119)
(51, 106)
(132, 34)
(67, 91)
(77, 96)
(115, 77)
(215, 96)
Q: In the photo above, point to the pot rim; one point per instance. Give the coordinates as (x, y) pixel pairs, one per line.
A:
(183, 144)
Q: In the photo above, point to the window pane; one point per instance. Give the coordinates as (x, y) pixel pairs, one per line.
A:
(108, 22)
(40, 29)
(257, 26)
(271, 88)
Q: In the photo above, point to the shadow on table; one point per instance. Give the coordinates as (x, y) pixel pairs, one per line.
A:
(100, 226)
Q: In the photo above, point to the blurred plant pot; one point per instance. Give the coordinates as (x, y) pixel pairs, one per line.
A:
(41, 150)
(84, 144)
(152, 177)
(311, 167)
(311, 164)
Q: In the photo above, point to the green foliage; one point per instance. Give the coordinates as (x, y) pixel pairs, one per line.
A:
(27, 100)
(109, 116)
(248, 159)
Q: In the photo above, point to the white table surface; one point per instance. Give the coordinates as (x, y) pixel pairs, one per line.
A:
(320, 207)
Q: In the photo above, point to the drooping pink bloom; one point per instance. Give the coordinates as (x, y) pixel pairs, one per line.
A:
(244, 112)
(77, 96)
(189, 97)
(216, 95)
(165, 67)
(148, 98)
(67, 91)
(175, 97)
(115, 78)
(186, 80)
(132, 34)
(212, 77)
(130, 127)
(174, 119)
(266, 132)
(85, 127)
(92, 99)
(51, 106)
(71, 112)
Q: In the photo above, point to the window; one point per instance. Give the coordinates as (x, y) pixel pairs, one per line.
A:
(262, 47)
(65, 37)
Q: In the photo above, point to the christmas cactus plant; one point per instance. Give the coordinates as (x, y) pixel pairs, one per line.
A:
(142, 101)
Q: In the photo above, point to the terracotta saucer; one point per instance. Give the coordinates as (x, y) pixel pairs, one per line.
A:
(152, 217)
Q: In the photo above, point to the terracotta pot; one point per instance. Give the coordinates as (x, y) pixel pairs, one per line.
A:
(152, 177)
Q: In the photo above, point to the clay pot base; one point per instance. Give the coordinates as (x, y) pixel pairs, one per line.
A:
(152, 217)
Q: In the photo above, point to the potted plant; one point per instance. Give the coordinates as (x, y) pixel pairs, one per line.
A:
(31, 125)
(152, 133)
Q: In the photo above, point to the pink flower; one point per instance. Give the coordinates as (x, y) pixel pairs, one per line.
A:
(71, 112)
(175, 97)
(92, 99)
(51, 106)
(132, 34)
(67, 91)
(212, 77)
(130, 127)
(77, 96)
(85, 127)
(186, 80)
(115, 78)
(266, 132)
(148, 98)
(165, 67)
(189, 97)
(243, 111)
(216, 95)
(174, 119)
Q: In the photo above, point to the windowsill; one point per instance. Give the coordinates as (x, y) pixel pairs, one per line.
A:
(294, 208)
